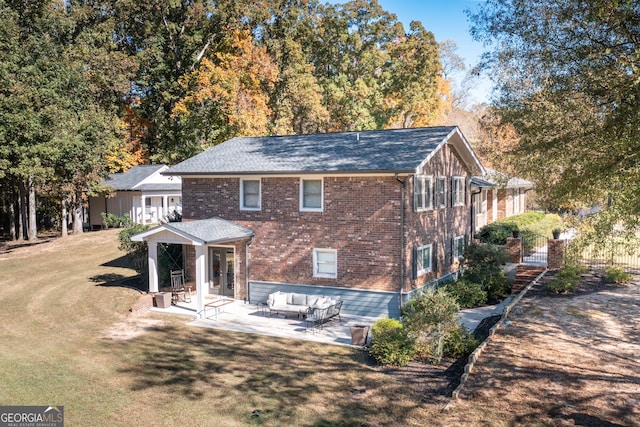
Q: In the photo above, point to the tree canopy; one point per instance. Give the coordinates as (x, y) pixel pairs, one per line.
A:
(568, 83)
(89, 88)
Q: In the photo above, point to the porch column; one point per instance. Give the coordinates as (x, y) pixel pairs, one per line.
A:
(201, 277)
(165, 205)
(153, 266)
(142, 209)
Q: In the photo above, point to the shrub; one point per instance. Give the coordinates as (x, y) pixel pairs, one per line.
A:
(390, 343)
(565, 280)
(466, 293)
(428, 319)
(111, 220)
(616, 275)
(529, 222)
(459, 342)
(483, 264)
(136, 250)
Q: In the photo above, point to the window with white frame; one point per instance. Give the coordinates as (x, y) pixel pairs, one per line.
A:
(325, 263)
(441, 192)
(250, 194)
(422, 195)
(311, 195)
(458, 247)
(423, 260)
(458, 190)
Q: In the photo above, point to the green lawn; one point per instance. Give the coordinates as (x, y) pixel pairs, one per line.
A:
(55, 309)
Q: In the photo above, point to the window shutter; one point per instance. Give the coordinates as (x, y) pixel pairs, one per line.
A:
(415, 263)
(434, 257)
(415, 193)
(453, 250)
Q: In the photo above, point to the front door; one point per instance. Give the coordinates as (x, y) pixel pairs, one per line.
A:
(221, 273)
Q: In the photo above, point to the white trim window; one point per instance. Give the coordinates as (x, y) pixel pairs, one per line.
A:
(423, 260)
(458, 247)
(325, 263)
(458, 191)
(250, 194)
(311, 195)
(422, 193)
(441, 192)
(516, 200)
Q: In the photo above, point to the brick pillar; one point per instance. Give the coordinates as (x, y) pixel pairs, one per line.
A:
(555, 254)
(514, 250)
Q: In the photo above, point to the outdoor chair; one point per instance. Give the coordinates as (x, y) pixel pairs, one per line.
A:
(178, 290)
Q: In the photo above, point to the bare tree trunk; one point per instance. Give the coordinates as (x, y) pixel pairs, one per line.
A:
(77, 214)
(22, 214)
(32, 232)
(12, 217)
(65, 231)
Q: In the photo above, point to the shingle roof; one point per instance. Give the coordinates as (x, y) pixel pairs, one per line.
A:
(205, 231)
(504, 181)
(129, 179)
(397, 150)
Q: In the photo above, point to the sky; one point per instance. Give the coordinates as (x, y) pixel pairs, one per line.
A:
(447, 20)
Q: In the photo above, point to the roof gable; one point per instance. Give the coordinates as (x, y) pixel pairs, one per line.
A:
(381, 151)
(143, 177)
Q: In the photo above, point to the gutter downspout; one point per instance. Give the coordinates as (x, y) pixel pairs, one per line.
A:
(246, 270)
(401, 241)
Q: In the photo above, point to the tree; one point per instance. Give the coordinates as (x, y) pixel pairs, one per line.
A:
(228, 95)
(567, 74)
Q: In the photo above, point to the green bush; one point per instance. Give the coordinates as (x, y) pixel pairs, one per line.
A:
(529, 222)
(137, 251)
(428, 319)
(466, 293)
(565, 280)
(483, 265)
(616, 275)
(459, 342)
(111, 220)
(390, 343)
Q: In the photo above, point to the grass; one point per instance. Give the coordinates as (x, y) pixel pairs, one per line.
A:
(59, 298)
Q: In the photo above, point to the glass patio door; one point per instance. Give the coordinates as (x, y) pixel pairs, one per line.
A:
(221, 273)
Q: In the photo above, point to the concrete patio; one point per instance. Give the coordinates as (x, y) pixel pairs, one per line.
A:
(239, 316)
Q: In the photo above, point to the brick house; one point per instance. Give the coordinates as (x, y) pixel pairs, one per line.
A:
(496, 196)
(369, 216)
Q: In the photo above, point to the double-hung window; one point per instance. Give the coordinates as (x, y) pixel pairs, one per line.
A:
(458, 191)
(458, 247)
(423, 259)
(422, 193)
(250, 194)
(325, 263)
(441, 192)
(311, 195)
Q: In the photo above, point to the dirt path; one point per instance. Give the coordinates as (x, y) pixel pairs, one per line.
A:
(561, 360)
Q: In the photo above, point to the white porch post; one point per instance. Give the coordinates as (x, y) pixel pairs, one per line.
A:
(142, 210)
(153, 266)
(165, 205)
(201, 277)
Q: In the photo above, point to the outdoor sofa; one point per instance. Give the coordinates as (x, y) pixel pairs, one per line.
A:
(313, 308)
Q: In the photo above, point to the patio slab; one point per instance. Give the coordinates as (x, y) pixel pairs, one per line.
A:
(250, 318)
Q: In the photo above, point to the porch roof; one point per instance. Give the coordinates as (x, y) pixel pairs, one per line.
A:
(201, 232)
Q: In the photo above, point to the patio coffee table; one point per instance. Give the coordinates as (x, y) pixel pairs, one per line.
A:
(217, 305)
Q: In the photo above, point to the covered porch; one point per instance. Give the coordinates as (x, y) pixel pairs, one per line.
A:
(215, 260)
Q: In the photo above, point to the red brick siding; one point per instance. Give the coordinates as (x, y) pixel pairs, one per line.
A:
(362, 220)
(439, 225)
